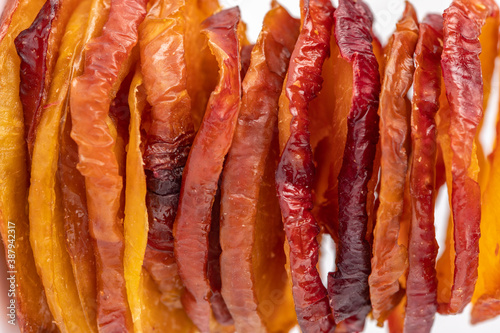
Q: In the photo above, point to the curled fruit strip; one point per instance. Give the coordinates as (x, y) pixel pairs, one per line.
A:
(463, 21)
(37, 47)
(106, 64)
(295, 171)
(169, 136)
(200, 63)
(32, 310)
(79, 243)
(390, 260)
(47, 220)
(204, 166)
(348, 285)
(487, 291)
(247, 180)
(421, 286)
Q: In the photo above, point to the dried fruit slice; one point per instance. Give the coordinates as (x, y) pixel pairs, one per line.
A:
(421, 284)
(204, 166)
(486, 296)
(487, 293)
(328, 136)
(445, 265)
(79, 242)
(37, 47)
(148, 312)
(460, 61)
(169, 134)
(253, 241)
(107, 63)
(348, 285)
(200, 63)
(294, 177)
(33, 313)
(390, 259)
(46, 210)
(329, 113)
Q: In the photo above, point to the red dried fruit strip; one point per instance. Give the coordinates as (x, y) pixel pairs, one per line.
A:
(107, 63)
(348, 285)
(168, 137)
(204, 166)
(244, 170)
(294, 176)
(463, 21)
(390, 259)
(37, 47)
(421, 285)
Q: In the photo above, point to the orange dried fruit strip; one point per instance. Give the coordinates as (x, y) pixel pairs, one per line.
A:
(486, 296)
(421, 284)
(460, 62)
(37, 47)
(250, 164)
(390, 260)
(106, 65)
(204, 166)
(71, 183)
(169, 136)
(294, 176)
(200, 63)
(67, 284)
(33, 314)
(487, 292)
(348, 285)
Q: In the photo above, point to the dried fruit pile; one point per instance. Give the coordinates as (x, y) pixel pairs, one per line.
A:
(160, 173)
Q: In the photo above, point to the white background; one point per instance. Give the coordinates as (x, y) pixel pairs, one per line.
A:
(386, 15)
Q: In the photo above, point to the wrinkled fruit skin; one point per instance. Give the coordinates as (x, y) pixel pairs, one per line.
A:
(294, 175)
(253, 240)
(204, 166)
(169, 136)
(90, 101)
(421, 288)
(37, 47)
(464, 89)
(390, 259)
(348, 286)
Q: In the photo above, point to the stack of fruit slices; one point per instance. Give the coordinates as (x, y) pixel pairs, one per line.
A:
(164, 174)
